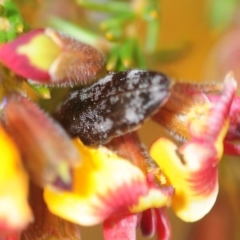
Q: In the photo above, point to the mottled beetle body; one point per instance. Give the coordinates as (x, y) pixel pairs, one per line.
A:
(113, 106)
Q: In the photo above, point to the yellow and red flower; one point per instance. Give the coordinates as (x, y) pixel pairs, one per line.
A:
(118, 184)
(192, 168)
(105, 184)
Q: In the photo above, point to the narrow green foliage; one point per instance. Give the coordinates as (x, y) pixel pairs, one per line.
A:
(110, 7)
(40, 90)
(113, 58)
(75, 31)
(127, 53)
(114, 34)
(140, 57)
(2, 11)
(151, 10)
(117, 21)
(152, 36)
(11, 21)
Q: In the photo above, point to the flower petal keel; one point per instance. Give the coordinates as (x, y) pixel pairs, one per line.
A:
(195, 182)
(192, 168)
(104, 184)
(120, 226)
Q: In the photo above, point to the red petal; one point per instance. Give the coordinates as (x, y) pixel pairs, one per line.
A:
(162, 224)
(121, 226)
(13, 236)
(147, 224)
(231, 148)
(20, 63)
(192, 169)
(234, 115)
(222, 108)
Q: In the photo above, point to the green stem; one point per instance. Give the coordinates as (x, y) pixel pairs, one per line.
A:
(113, 58)
(110, 7)
(127, 52)
(140, 57)
(75, 31)
(152, 36)
(117, 21)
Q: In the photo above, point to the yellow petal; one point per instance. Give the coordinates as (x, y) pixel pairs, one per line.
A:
(103, 185)
(44, 48)
(15, 213)
(192, 172)
(155, 198)
(192, 169)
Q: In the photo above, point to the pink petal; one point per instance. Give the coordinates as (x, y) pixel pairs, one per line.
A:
(163, 226)
(147, 224)
(232, 149)
(20, 63)
(12, 236)
(234, 115)
(192, 168)
(120, 227)
(221, 109)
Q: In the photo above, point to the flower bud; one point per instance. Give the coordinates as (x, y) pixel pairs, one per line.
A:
(47, 151)
(174, 115)
(50, 57)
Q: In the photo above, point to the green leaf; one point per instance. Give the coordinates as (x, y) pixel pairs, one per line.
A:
(152, 36)
(151, 10)
(127, 53)
(113, 58)
(2, 11)
(12, 19)
(117, 21)
(109, 7)
(75, 31)
(3, 36)
(140, 57)
(114, 34)
(41, 91)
